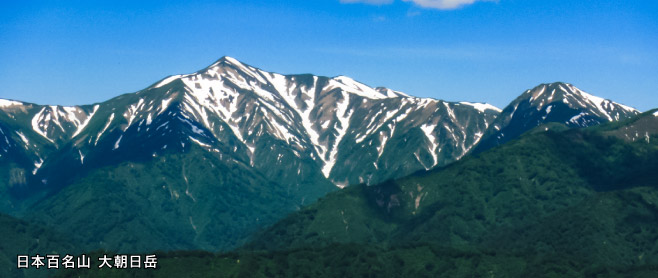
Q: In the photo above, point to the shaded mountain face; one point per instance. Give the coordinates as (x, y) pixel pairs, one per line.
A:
(589, 195)
(555, 102)
(176, 201)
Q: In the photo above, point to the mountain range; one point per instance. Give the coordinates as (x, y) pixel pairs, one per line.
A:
(205, 160)
(232, 138)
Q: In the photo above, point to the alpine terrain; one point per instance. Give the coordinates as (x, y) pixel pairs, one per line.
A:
(206, 158)
(233, 157)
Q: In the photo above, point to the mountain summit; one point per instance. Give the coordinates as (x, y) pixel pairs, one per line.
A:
(322, 119)
(554, 102)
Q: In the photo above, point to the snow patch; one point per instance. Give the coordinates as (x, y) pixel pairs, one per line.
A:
(37, 128)
(428, 129)
(86, 122)
(199, 142)
(548, 111)
(306, 119)
(421, 162)
(37, 165)
(27, 143)
(165, 105)
(109, 121)
(82, 157)
(391, 93)
(167, 80)
(352, 86)
(450, 111)
(344, 117)
(116, 145)
(574, 119)
(383, 139)
(131, 114)
(7, 103)
(482, 107)
(375, 125)
(537, 94)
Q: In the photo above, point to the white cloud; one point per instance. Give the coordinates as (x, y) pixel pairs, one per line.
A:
(444, 4)
(430, 4)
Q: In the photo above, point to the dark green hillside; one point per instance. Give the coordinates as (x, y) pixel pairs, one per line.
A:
(20, 237)
(357, 260)
(612, 228)
(190, 200)
(554, 203)
(587, 195)
(520, 183)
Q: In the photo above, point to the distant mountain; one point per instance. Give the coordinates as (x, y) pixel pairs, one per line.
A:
(555, 102)
(588, 196)
(274, 142)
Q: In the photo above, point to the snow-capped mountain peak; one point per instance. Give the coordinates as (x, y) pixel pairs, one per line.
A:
(343, 125)
(545, 94)
(553, 102)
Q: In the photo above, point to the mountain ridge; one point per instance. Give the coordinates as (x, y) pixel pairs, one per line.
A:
(325, 138)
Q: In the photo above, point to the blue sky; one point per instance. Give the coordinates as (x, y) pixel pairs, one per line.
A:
(79, 52)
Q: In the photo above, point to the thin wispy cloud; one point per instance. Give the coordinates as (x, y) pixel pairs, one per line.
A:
(428, 4)
(445, 4)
